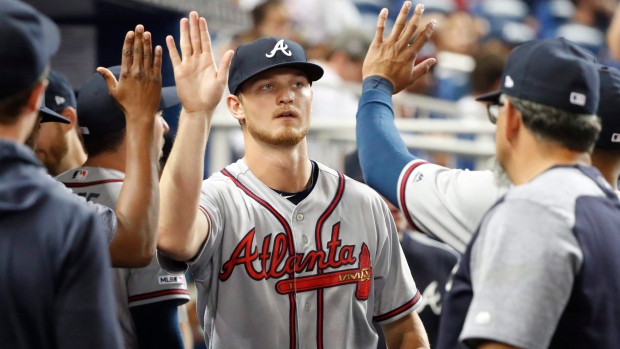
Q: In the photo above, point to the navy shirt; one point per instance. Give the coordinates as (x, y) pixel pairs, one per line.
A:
(55, 281)
(431, 264)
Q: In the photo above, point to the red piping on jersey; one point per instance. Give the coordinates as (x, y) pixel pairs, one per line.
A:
(319, 247)
(88, 184)
(144, 296)
(403, 185)
(398, 310)
(291, 247)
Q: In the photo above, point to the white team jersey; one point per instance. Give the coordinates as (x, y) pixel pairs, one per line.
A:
(446, 203)
(273, 274)
(136, 286)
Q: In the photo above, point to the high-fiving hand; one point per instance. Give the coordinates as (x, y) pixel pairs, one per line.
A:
(200, 84)
(138, 89)
(394, 58)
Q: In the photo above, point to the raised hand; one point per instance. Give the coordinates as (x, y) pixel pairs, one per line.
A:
(394, 58)
(138, 89)
(200, 84)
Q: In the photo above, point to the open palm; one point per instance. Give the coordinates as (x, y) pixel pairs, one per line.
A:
(200, 84)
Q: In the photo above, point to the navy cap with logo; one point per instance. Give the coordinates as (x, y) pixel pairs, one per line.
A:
(554, 72)
(28, 40)
(48, 115)
(98, 112)
(609, 108)
(267, 53)
(59, 93)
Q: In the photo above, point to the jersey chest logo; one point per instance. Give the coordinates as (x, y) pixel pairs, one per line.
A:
(280, 46)
(275, 262)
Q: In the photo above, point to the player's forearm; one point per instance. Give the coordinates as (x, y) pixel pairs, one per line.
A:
(137, 208)
(382, 152)
(180, 237)
(407, 332)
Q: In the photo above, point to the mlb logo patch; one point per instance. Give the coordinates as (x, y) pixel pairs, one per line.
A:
(615, 138)
(578, 99)
(80, 174)
(171, 279)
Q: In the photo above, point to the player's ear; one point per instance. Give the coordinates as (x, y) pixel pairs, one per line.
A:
(36, 97)
(514, 122)
(235, 107)
(71, 114)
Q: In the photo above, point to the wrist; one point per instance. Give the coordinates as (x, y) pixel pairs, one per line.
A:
(377, 82)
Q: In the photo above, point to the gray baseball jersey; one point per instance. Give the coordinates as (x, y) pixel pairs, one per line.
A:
(135, 286)
(273, 274)
(446, 203)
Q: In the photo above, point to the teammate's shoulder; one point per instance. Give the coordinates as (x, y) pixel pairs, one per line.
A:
(88, 175)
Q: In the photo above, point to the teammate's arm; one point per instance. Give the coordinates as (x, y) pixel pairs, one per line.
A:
(138, 94)
(157, 325)
(409, 327)
(200, 85)
(388, 68)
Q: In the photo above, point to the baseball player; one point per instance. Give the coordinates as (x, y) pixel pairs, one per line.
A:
(286, 252)
(130, 227)
(55, 289)
(541, 254)
(59, 146)
(445, 191)
(147, 298)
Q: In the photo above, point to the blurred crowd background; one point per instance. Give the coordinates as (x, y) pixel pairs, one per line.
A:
(471, 43)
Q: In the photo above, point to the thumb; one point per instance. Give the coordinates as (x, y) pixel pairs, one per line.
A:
(222, 74)
(109, 79)
(423, 68)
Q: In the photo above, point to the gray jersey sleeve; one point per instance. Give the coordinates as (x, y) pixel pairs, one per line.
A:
(151, 285)
(396, 294)
(523, 265)
(107, 216)
(210, 207)
(446, 203)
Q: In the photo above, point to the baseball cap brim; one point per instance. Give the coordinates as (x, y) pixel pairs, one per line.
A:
(48, 115)
(313, 71)
(490, 97)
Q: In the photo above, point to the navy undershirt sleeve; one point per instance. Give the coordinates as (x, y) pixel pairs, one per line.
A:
(157, 325)
(382, 152)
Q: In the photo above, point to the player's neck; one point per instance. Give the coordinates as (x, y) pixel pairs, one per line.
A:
(532, 162)
(76, 156)
(608, 162)
(286, 169)
(112, 160)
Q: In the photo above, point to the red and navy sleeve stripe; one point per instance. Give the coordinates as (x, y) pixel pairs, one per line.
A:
(402, 189)
(144, 296)
(88, 184)
(403, 308)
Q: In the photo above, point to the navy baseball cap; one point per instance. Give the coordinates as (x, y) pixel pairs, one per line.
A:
(98, 112)
(28, 40)
(267, 53)
(554, 72)
(59, 93)
(48, 115)
(609, 108)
